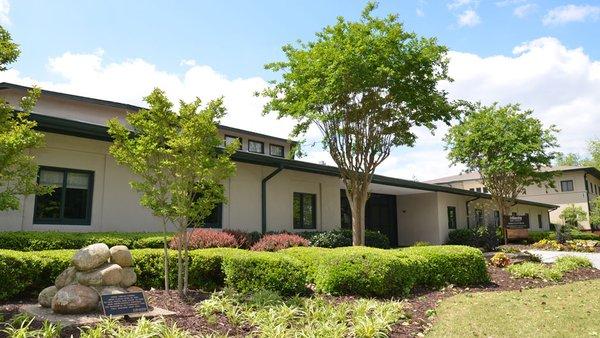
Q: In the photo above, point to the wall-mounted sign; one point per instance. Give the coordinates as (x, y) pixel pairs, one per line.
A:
(516, 221)
(124, 303)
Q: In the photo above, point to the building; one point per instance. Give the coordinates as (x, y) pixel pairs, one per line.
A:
(574, 185)
(269, 192)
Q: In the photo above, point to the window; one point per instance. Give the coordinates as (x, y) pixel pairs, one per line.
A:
(485, 190)
(527, 218)
(478, 189)
(451, 217)
(256, 147)
(539, 221)
(214, 221)
(230, 139)
(566, 185)
(478, 216)
(276, 150)
(496, 218)
(71, 200)
(472, 189)
(305, 211)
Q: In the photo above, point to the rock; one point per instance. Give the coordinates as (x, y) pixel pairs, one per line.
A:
(65, 278)
(45, 297)
(91, 257)
(134, 289)
(107, 274)
(73, 299)
(112, 290)
(119, 254)
(128, 277)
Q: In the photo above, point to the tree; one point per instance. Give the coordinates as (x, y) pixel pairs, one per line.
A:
(569, 159)
(18, 170)
(571, 217)
(364, 84)
(595, 213)
(593, 147)
(507, 147)
(180, 163)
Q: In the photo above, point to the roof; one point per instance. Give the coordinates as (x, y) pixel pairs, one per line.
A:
(119, 105)
(471, 176)
(98, 132)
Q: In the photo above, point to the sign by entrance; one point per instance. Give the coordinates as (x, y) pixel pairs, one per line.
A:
(124, 303)
(516, 221)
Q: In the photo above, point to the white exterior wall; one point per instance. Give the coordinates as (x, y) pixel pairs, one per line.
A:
(417, 218)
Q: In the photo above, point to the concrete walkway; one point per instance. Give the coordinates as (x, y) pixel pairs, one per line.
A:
(551, 256)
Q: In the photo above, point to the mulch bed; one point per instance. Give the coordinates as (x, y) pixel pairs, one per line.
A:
(418, 306)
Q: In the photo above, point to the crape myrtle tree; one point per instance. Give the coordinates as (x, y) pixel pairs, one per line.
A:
(595, 214)
(507, 147)
(180, 163)
(18, 171)
(571, 216)
(364, 84)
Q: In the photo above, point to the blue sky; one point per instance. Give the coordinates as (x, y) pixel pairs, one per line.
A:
(502, 50)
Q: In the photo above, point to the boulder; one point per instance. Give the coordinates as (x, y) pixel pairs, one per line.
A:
(128, 277)
(107, 274)
(74, 299)
(134, 289)
(119, 254)
(91, 257)
(45, 297)
(65, 278)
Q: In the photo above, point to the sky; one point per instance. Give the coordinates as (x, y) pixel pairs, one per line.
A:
(544, 55)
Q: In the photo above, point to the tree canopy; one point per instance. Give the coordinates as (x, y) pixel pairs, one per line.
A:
(364, 84)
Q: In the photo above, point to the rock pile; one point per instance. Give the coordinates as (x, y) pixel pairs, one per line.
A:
(95, 270)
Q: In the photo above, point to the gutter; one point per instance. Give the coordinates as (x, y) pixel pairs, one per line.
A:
(467, 206)
(263, 197)
(587, 195)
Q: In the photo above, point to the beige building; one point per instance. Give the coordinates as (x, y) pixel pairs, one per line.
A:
(269, 191)
(577, 186)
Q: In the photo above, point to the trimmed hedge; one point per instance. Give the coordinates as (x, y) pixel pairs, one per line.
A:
(341, 271)
(449, 264)
(343, 238)
(54, 240)
(255, 271)
(536, 236)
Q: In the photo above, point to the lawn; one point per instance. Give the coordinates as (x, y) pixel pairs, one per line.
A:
(558, 311)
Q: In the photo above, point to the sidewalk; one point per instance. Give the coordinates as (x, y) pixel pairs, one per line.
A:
(551, 256)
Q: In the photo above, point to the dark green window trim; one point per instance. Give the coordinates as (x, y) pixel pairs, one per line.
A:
(451, 217)
(262, 147)
(277, 146)
(299, 219)
(63, 220)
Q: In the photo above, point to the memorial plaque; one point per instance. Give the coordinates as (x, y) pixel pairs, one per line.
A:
(124, 303)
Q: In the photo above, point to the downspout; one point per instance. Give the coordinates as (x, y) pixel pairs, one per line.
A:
(587, 198)
(264, 198)
(467, 206)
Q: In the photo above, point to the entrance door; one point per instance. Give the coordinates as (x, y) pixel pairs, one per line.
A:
(380, 215)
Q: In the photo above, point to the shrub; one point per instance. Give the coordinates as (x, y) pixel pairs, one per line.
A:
(449, 264)
(574, 245)
(206, 238)
(310, 258)
(536, 236)
(245, 240)
(462, 237)
(54, 240)
(151, 242)
(256, 271)
(569, 263)
(486, 237)
(277, 242)
(367, 272)
(343, 237)
(500, 260)
(421, 243)
(534, 270)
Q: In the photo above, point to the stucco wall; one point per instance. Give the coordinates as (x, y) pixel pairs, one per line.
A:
(418, 218)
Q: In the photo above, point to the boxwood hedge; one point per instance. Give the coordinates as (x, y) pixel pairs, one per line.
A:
(54, 240)
(340, 271)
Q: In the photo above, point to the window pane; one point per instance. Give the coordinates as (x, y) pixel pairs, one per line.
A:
(214, 219)
(297, 210)
(48, 206)
(76, 195)
(255, 147)
(309, 211)
(51, 178)
(230, 139)
(276, 150)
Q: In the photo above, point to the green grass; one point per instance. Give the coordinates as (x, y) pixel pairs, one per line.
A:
(569, 310)
(273, 316)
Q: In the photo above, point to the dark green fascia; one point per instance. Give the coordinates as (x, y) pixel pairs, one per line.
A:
(58, 125)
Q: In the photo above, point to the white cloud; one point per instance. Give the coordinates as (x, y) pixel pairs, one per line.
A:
(469, 18)
(560, 84)
(420, 12)
(571, 13)
(461, 3)
(505, 3)
(4, 11)
(187, 62)
(524, 10)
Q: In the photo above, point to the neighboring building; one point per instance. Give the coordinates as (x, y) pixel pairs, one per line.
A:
(269, 192)
(574, 185)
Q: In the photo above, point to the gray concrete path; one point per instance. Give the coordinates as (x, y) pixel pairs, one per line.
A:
(551, 256)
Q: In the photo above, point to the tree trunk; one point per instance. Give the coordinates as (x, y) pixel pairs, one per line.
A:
(185, 264)
(357, 207)
(166, 255)
(502, 225)
(182, 235)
